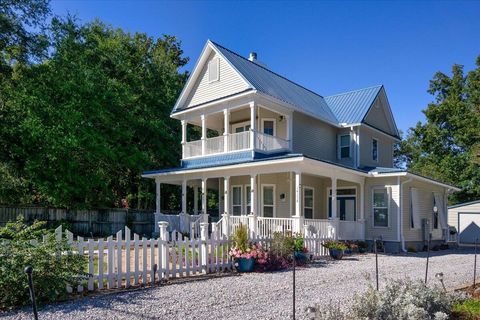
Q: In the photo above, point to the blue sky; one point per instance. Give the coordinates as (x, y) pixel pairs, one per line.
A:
(329, 47)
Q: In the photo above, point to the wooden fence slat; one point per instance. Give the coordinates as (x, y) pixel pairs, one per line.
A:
(136, 241)
(80, 252)
(119, 258)
(152, 261)
(127, 257)
(144, 261)
(110, 262)
(101, 256)
(91, 258)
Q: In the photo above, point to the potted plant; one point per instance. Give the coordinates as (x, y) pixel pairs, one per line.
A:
(244, 252)
(335, 249)
(362, 246)
(300, 250)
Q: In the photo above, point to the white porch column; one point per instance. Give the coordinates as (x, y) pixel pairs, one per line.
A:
(226, 192)
(298, 194)
(220, 200)
(298, 219)
(204, 132)
(195, 199)
(157, 196)
(361, 219)
(204, 196)
(184, 137)
(253, 194)
(334, 218)
(156, 229)
(184, 196)
(253, 124)
(226, 130)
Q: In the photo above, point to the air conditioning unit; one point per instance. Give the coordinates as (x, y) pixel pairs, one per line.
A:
(426, 229)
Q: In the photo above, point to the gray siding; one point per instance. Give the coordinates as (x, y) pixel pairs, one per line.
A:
(453, 213)
(385, 149)
(314, 138)
(377, 115)
(230, 82)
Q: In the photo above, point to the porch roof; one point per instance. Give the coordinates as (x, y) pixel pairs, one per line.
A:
(152, 173)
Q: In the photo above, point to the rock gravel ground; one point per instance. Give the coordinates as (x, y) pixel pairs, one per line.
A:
(260, 296)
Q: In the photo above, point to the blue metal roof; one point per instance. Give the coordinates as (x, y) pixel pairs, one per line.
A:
(464, 204)
(274, 85)
(351, 107)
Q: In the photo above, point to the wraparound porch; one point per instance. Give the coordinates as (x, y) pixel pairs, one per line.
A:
(279, 195)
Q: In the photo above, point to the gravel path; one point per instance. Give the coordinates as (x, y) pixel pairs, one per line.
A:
(260, 296)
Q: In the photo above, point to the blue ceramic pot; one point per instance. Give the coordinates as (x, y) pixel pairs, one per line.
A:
(336, 254)
(245, 265)
(301, 256)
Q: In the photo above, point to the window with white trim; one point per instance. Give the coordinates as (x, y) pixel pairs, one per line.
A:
(268, 126)
(268, 200)
(375, 149)
(344, 146)
(241, 127)
(236, 200)
(214, 70)
(380, 207)
(308, 202)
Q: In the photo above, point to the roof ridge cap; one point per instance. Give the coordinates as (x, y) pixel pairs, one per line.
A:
(267, 69)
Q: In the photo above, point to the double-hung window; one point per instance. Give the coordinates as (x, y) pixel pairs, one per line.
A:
(344, 146)
(308, 202)
(237, 200)
(380, 207)
(268, 199)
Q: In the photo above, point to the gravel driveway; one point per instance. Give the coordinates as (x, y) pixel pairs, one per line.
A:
(260, 296)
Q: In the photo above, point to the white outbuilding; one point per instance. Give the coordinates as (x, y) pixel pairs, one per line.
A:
(465, 217)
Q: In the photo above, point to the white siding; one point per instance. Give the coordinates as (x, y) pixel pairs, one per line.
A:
(230, 82)
(378, 116)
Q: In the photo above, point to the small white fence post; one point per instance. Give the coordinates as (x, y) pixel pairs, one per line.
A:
(252, 225)
(214, 231)
(226, 225)
(163, 243)
(204, 247)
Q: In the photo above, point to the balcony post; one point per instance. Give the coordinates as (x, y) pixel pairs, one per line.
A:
(253, 194)
(361, 220)
(184, 196)
(184, 137)
(157, 206)
(289, 131)
(226, 130)
(253, 124)
(204, 133)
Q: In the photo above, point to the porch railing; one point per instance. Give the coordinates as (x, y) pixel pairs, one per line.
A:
(320, 226)
(235, 142)
(350, 230)
(268, 143)
(268, 226)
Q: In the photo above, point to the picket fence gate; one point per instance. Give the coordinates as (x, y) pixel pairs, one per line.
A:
(124, 261)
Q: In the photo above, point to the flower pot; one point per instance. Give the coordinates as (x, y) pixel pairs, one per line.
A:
(301, 256)
(336, 254)
(362, 250)
(245, 265)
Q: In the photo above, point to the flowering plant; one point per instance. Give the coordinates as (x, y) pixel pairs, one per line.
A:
(252, 250)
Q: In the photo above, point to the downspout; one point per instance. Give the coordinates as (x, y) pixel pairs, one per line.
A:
(400, 211)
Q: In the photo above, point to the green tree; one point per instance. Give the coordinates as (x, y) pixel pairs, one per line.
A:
(84, 123)
(447, 145)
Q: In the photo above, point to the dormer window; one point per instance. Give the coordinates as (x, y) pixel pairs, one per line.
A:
(214, 70)
(344, 146)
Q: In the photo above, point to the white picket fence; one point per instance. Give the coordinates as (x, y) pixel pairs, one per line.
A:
(127, 260)
(123, 261)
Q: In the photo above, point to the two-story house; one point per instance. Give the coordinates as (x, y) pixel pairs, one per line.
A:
(294, 158)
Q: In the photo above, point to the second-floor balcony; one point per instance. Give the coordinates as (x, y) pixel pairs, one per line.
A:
(232, 142)
(247, 127)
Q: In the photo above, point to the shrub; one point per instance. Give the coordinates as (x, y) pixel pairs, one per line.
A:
(240, 238)
(335, 245)
(362, 245)
(468, 310)
(401, 299)
(411, 249)
(54, 265)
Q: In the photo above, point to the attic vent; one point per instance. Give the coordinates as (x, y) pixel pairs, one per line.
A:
(214, 70)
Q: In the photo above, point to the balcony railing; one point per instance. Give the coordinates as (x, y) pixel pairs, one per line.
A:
(234, 142)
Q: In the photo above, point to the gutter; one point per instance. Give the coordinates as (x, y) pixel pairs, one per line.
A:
(400, 212)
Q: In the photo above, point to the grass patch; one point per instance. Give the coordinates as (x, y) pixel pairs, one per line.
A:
(467, 310)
